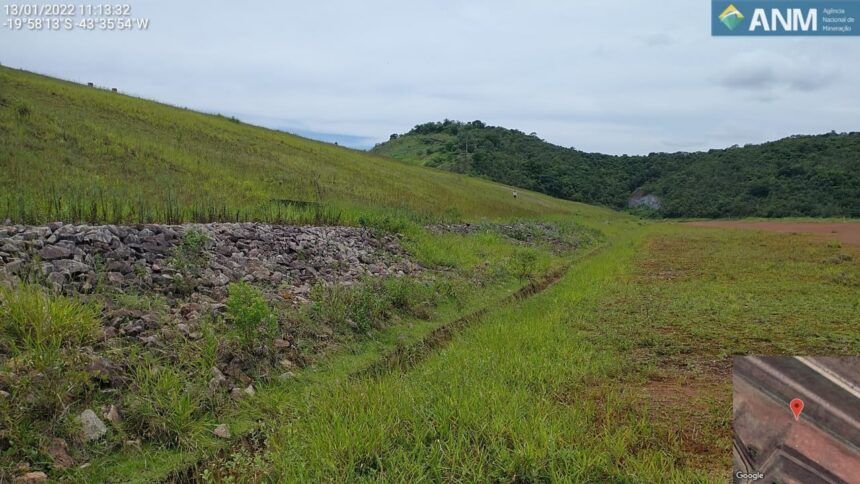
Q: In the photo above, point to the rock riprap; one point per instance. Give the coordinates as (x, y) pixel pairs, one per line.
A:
(78, 258)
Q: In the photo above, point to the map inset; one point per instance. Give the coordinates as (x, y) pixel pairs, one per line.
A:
(796, 419)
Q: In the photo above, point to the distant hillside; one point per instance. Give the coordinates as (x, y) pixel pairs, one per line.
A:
(817, 176)
(72, 152)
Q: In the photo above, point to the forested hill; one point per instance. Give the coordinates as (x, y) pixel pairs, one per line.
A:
(817, 176)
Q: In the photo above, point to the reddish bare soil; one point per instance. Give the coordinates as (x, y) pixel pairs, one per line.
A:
(848, 233)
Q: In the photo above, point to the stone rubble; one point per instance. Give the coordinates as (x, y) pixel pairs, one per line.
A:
(111, 414)
(78, 258)
(36, 477)
(59, 452)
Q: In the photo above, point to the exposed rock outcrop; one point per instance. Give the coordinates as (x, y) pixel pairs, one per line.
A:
(641, 199)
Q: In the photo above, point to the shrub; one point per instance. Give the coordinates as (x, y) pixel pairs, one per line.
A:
(524, 264)
(156, 303)
(243, 465)
(329, 304)
(207, 356)
(368, 305)
(23, 110)
(250, 314)
(413, 297)
(191, 251)
(359, 306)
(847, 278)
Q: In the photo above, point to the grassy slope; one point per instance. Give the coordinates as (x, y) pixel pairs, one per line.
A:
(620, 373)
(427, 150)
(72, 152)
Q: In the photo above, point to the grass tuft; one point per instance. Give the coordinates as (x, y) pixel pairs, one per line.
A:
(164, 406)
(36, 323)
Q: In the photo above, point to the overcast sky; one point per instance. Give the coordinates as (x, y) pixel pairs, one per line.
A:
(615, 77)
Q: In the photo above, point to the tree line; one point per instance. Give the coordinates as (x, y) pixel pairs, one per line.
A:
(816, 176)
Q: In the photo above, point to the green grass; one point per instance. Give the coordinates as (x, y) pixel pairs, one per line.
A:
(168, 404)
(619, 373)
(695, 297)
(42, 366)
(71, 152)
(485, 408)
(742, 292)
(154, 462)
(164, 407)
(424, 150)
(32, 322)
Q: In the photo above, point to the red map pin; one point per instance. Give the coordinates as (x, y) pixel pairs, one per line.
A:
(796, 406)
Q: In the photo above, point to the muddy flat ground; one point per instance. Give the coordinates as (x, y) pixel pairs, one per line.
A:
(845, 232)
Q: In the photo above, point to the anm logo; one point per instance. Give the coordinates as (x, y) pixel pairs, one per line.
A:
(731, 17)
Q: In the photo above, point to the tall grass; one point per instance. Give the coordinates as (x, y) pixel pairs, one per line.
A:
(489, 407)
(164, 405)
(42, 366)
(35, 323)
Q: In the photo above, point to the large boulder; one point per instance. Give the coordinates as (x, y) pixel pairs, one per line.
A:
(69, 266)
(52, 252)
(92, 427)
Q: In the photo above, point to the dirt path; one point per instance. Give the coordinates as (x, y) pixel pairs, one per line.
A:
(848, 232)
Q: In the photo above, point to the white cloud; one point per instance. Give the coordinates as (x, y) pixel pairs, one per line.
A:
(602, 77)
(768, 71)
